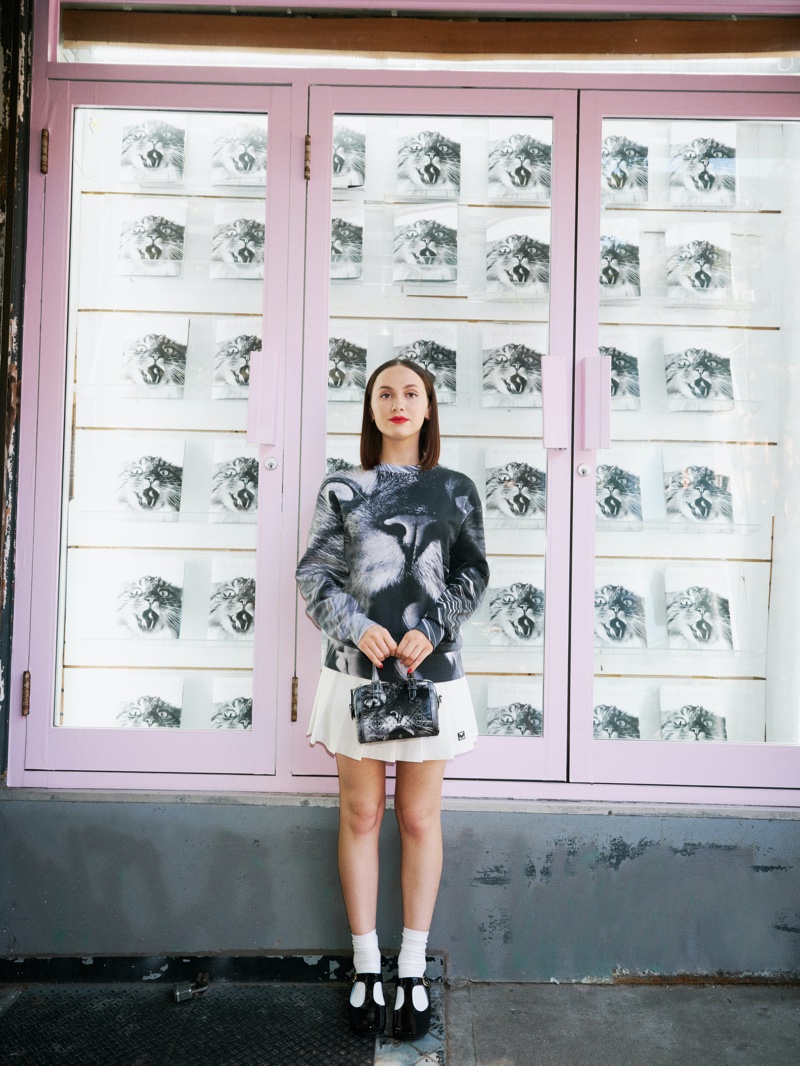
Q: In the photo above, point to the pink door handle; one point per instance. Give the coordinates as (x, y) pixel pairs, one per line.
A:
(556, 402)
(595, 399)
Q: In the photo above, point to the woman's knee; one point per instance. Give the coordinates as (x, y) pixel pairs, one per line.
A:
(418, 821)
(361, 815)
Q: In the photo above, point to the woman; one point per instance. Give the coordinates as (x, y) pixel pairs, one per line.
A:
(395, 562)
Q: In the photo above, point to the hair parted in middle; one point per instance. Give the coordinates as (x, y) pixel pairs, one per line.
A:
(371, 436)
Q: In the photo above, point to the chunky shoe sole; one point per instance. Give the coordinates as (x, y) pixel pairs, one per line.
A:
(409, 1021)
(369, 1018)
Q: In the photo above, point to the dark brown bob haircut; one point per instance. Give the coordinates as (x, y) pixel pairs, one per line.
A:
(371, 436)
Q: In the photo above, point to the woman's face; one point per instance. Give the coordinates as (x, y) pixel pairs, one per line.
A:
(399, 403)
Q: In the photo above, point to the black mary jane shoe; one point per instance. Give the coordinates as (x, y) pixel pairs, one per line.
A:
(408, 1022)
(370, 1018)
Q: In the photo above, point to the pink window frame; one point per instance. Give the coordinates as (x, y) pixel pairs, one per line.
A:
(648, 762)
(545, 757)
(47, 74)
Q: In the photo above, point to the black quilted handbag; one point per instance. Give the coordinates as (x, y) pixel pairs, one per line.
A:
(395, 710)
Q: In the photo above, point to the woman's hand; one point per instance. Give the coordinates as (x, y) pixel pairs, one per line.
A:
(413, 649)
(377, 643)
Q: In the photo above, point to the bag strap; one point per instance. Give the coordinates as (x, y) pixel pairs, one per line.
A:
(412, 681)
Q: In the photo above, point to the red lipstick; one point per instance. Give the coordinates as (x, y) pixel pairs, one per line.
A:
(398, 420)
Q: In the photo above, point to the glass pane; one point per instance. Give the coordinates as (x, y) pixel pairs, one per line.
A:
(160, 486)
(696, 584)
(441, 253)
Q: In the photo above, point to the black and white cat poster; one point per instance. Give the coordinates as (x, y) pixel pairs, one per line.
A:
(512, 356)
(341, 453)
(518, 256)
(620, 268)
(698, 487)
(153, 147)
(702, 163)
(625, 162)
(347, 240)
(699, 369)
(232, 703)
(130, 476)
(699, 263)
(514, 605)
(620, 613)
(232, 604)
(715, 710)
(618, 488)
(124, 595)
(154, 355)
(691, 714)
(349, 151)
(426, 243)
(239, 151)
(123, 699)
(621, 348)
(625, 711)
(237, 248)
(698, 608)
(347, 359)
(429, 158)
(237, 343)
(516, 483)
(520, 159)
(514, 709)
(433, 346)
(234, 483)
(152, 233)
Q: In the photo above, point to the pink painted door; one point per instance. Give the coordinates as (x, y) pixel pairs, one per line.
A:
(685, 470)
(158, 468)
(490, 176)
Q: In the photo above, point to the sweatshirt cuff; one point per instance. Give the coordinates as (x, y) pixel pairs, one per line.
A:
(359, 624)
(432, 630)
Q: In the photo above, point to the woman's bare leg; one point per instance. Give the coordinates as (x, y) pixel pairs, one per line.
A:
(418, 806)
(362, 799)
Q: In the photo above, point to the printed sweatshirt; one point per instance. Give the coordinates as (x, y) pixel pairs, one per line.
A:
(398, 547)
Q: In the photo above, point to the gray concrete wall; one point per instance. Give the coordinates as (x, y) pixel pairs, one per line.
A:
(534, 893)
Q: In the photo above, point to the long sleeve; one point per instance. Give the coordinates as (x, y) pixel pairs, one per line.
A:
(322, 575)
(467, 577)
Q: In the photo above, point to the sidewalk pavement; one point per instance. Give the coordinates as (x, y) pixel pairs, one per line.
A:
(623, 1025)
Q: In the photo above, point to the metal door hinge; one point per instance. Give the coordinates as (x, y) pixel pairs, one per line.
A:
(45, 154)
(294, 699)
(26, 693)
(307, 167)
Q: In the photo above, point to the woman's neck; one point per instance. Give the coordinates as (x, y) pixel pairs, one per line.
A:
(400, 452)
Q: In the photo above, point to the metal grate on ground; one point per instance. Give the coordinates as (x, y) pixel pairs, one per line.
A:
(234, 1023)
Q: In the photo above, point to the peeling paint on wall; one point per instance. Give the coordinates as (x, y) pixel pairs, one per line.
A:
(16, 41)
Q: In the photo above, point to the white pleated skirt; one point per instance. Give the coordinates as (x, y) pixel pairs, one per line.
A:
(332, 725)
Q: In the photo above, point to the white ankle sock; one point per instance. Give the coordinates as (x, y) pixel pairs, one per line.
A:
(411, 962)
(366, 953)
